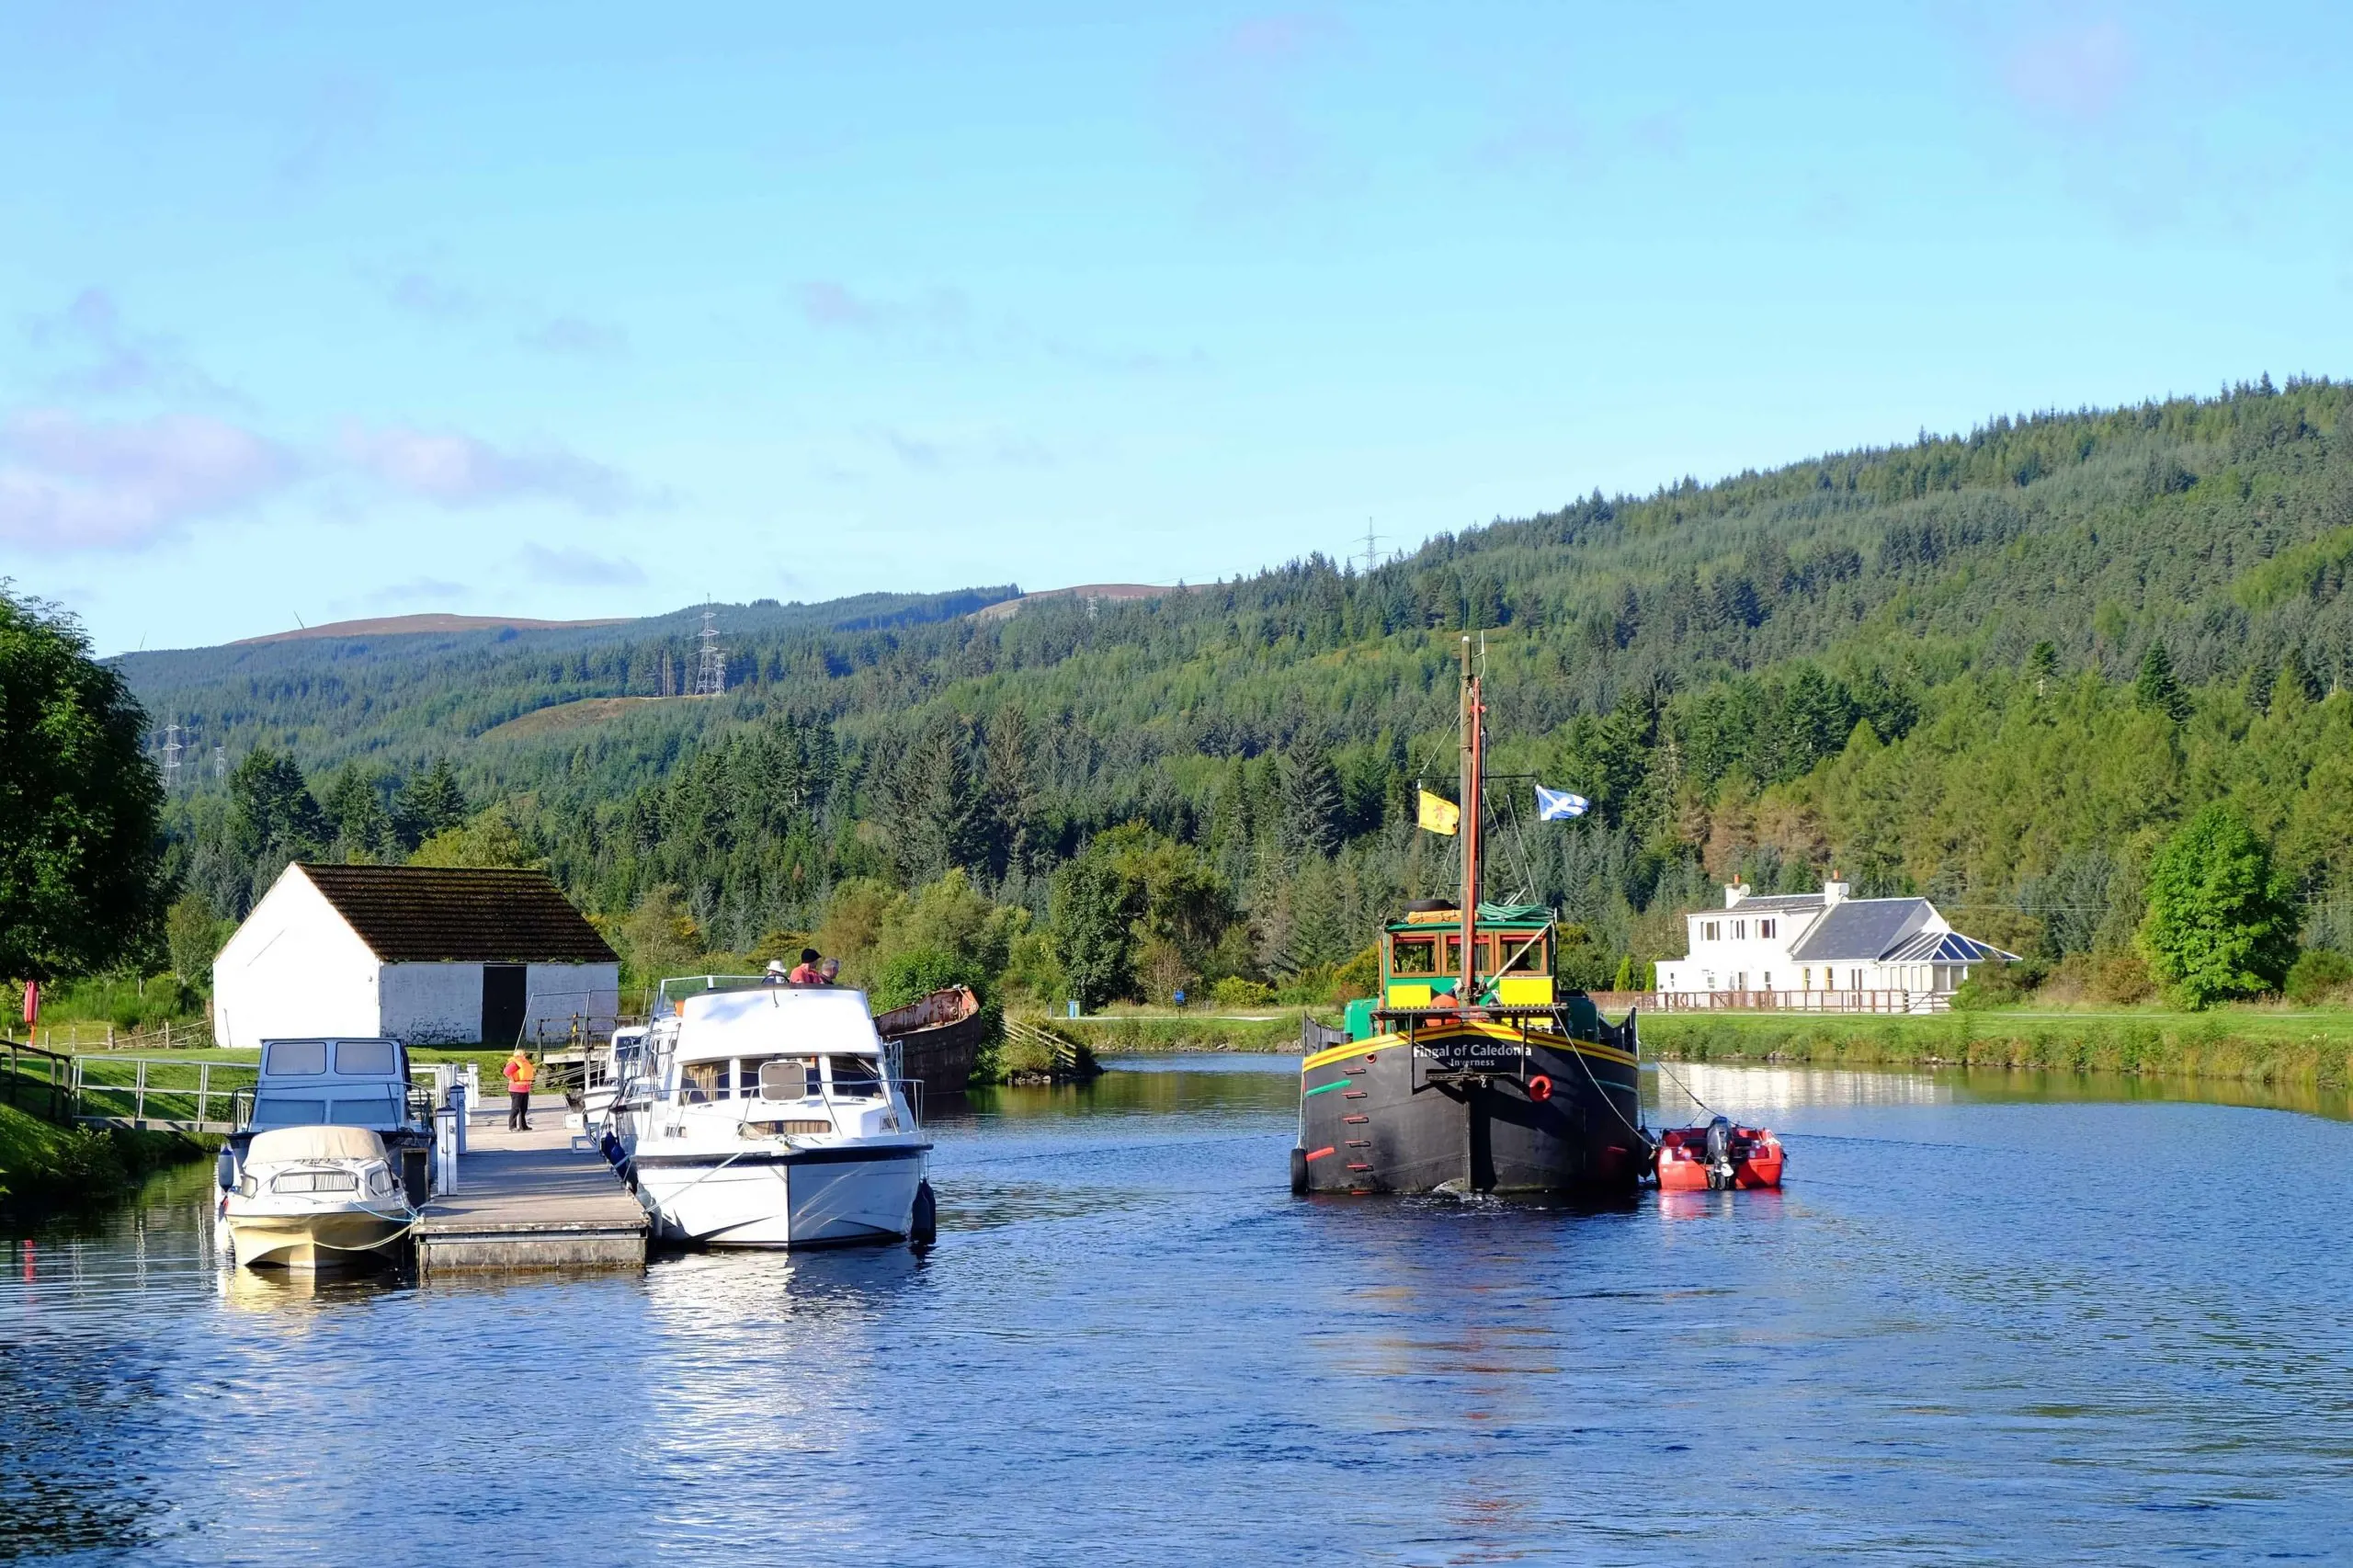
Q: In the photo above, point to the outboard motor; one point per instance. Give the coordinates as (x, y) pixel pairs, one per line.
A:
(1720, 1173)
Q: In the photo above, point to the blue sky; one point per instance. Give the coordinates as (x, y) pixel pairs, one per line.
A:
(342, 311)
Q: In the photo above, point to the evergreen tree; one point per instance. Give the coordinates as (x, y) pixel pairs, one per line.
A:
(2043, 666)
(429, 803)
(2157, 688)
(356, 818)
(1311, 803)
(2219, 925)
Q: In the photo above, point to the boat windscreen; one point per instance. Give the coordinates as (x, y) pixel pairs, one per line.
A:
(857, 1077)
(367, 1057)
(295, 1058)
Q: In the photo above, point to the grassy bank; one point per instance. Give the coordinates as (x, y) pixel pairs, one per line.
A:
(1154, 1031)
(2254, 1045)
(42, 1164)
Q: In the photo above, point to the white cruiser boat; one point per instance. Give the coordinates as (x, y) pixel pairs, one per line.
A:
(314, 1198)
(770, 1116)
(604, 1071)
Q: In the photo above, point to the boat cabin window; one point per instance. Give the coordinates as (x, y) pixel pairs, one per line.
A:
(377, 1110)
(271, 1111)
(856, 1077)
(367, 1057)
(314, 1181)
(296, 1057)
(785, 1077)
(702, 1082)
(1522, 954)
(1412, 956)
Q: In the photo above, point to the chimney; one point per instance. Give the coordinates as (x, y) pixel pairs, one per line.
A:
(1833, 890)
(1734, 892)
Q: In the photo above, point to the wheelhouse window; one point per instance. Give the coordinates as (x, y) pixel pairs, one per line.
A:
(1523, 955)
(367, 1057)
(855, 1078)
(270, 1110)
(702, 1082)
(785, 1077)
(1412, 956)
(295, 1058)
(314, 1181)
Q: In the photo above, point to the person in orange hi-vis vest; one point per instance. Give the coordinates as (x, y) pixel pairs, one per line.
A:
(520, 1069)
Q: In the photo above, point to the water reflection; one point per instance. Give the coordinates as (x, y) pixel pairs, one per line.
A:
(1972, 1328)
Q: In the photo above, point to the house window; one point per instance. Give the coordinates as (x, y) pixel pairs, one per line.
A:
(1711, 979)
(1853, 979)
(1808, 977)
(1740, 980)
(1768, 979)
(1740, 930)
(1709, 929)
(1764, 928)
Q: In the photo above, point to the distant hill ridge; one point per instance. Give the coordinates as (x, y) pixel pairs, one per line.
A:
(405, 625)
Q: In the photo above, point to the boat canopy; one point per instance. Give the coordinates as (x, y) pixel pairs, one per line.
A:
(775, 1020)
(286, 1145)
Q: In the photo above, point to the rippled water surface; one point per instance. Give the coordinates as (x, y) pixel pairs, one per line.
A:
(1990, 1319)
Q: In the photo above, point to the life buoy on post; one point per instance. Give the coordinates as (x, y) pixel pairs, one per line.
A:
(1539, 1088)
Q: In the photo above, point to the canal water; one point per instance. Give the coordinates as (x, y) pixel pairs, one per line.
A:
(1990, 1319)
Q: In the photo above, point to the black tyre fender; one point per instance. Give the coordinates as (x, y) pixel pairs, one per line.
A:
(1299, 1172)
(923, 1223)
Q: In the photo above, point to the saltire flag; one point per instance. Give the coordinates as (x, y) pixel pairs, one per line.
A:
(1558, 805)
(1440, 814)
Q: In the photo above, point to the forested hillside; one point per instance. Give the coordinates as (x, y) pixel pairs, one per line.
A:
(1998, 668)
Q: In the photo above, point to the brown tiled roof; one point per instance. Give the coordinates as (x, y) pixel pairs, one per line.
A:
(444, 915)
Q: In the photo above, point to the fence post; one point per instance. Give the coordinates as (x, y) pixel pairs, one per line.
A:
(139, 1100)
(203, 1090)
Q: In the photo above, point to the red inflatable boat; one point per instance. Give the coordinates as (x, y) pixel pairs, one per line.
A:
(1718, 1157)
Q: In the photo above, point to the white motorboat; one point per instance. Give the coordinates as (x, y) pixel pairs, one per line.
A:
(604, 1071)
(771, 1116)
(314, 1197)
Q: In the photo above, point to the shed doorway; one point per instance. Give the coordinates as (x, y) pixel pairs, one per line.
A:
(502, 1003)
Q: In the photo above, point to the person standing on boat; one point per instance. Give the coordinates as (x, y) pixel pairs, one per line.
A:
(805, 971)
(775, 975)
(520, 1069)
(829, 973)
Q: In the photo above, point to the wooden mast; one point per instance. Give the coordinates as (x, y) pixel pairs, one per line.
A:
(1473, 728)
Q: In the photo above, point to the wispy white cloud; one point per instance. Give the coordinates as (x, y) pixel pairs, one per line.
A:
(2072, 70)
(574, 337)
(413, 291)
(108, 356)
(574, 567)
(1241, 105)
(71, 483)
(454, 470)
(942, 320)
(421, 590)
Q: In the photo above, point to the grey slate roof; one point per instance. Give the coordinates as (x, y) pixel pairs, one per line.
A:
(1862, 928)
(1783, 904)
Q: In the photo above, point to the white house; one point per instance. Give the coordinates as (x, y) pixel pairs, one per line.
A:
(1827, 950)
(429, 955)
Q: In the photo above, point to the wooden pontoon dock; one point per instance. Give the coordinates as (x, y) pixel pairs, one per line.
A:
(530, 1200)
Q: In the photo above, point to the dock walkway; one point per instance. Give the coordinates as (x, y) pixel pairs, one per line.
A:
(530, 1200)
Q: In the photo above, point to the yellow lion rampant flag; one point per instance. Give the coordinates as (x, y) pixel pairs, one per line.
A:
(1441, 815)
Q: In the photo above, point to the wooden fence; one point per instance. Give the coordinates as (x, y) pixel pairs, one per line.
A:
(1799, 1001)
(88, 1034)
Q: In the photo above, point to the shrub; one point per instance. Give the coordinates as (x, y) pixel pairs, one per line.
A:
(916, 974)
(1235, 991)
(2120, 978)
(2317, 976)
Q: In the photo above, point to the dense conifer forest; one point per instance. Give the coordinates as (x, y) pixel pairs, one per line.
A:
(1998, 668)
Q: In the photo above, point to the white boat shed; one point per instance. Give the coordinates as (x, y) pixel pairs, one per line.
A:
(430, 955)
